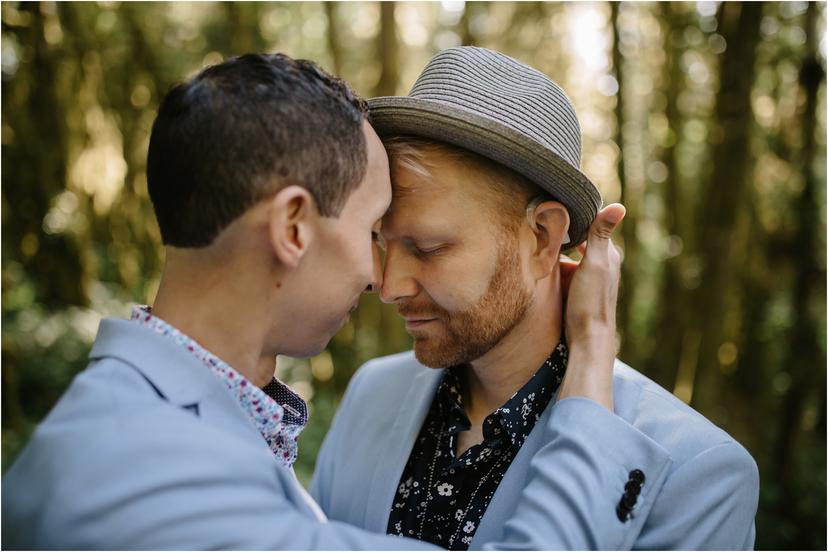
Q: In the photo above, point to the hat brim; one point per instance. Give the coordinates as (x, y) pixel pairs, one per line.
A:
(403, 115)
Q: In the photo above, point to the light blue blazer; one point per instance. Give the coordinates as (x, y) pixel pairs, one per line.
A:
(704, 497)
(148, 450)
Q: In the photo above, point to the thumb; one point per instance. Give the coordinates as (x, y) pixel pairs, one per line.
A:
(606, 222)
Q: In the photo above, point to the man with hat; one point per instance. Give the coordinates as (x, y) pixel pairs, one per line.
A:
(437, 443)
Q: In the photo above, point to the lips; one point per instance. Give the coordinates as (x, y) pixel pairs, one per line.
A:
(417, 322)
(418, 315)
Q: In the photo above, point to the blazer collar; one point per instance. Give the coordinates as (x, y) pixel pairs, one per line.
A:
(396, 449)
(176, 373)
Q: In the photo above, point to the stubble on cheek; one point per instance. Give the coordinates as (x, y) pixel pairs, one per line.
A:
(463, 336)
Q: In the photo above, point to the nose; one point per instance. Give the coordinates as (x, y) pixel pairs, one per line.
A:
(398, 279)
(376, 271)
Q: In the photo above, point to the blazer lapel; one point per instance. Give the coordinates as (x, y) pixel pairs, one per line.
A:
(396, 448)
(505, 498)
(176, 374)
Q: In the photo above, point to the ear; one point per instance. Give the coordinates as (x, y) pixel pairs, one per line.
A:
(292, 215)
(549, 222)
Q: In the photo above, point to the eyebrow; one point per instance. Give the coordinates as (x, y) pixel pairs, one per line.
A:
(440, 234)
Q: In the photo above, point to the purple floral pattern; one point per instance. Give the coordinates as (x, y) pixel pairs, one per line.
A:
(277, 412)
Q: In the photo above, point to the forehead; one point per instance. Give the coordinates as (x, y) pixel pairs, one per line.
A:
(443, 199)
(374, 192)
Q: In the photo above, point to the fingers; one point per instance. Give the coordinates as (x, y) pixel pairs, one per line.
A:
(568, 268)
(599, 242)
(606, 221)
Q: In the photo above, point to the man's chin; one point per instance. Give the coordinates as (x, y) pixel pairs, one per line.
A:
(428, 361)
(432, 355)
(445, 353)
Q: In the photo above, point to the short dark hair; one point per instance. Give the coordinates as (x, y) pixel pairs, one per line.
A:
(240, 131)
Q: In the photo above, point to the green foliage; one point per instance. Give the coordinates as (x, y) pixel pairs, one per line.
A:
(718, 109)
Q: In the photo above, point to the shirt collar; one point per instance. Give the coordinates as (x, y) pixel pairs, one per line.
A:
(277, 412)
(516, 417)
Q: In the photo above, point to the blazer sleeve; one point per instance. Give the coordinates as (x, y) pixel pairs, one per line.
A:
(707, 503)
(576, 479)
(202, 505)
(226, 515)
(230, 515)
(182, 490)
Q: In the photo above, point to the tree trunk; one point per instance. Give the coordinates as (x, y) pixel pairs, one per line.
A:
(32, 192)
(672, 304)
(804, 351)
(464, 26)
(387, 49)
(333, 38)
(723, 197)
(243, 33)
(628, 228)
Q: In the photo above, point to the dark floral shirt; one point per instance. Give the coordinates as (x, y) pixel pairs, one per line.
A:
(441, 498)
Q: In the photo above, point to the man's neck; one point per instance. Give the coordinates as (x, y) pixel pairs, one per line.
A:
(210, 307)
(493, 378)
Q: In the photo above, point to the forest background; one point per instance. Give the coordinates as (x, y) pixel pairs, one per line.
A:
(707, 120)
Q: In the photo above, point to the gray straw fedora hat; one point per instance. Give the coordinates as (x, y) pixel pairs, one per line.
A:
(500, 108)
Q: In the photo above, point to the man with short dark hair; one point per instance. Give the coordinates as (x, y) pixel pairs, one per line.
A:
(269, 186)
(487, 191)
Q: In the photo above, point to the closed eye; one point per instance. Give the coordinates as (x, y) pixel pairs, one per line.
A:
(428, 251)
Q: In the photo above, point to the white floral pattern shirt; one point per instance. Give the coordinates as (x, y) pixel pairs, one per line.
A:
(277, 412)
